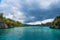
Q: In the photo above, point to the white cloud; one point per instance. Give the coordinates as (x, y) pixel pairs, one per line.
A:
(46, 21)
(41, 22)
(32, 17)
(9, 16)
(19, 15)
(12, 8)
(29, 1)
(45, 4)
(34, 23)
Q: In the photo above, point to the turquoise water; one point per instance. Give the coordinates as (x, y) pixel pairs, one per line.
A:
(30, 33)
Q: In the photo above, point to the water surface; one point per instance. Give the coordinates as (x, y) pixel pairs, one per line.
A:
(30, 33)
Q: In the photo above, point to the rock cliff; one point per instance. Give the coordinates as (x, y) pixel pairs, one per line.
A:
(56, 23)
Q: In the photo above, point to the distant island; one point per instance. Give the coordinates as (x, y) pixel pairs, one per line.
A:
(8, 23)
(46, 24)
(54, 24)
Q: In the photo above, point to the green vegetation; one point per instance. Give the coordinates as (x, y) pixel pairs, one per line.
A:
(56, 23)
(10, 22)
(1, 17)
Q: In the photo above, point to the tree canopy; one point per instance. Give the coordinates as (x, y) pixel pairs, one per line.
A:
(9, 21)
(56, 22)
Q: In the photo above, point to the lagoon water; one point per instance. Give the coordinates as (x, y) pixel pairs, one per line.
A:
(30, 33)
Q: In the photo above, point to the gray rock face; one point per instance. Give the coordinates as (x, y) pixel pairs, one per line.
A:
(56, 23)
(3, 25)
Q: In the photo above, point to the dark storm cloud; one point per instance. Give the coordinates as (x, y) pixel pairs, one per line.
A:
(30, 10)
(41, 14)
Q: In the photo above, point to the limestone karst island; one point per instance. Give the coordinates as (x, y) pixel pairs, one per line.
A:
(56, 23)
(8, 23)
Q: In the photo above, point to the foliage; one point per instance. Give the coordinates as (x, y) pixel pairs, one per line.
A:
(10, 22)
(56, 22)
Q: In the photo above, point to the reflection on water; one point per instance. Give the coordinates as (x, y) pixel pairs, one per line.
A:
(11, 34)
(56, 33)
(30, 33)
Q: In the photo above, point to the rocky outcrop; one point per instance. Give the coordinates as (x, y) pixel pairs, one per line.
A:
(3, 25)
(8, 23)
(56, 23)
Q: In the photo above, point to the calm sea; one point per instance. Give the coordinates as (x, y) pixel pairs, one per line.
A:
(30, 33)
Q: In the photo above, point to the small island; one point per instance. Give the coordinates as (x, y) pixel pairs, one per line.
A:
(56, 23)
(8, 23)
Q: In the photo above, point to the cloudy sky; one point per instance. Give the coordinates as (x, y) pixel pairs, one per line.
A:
(27, 11)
